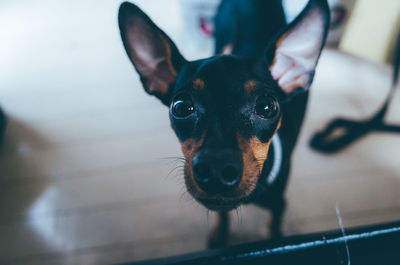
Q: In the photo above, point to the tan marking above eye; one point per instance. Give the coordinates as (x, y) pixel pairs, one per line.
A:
(250, 86)
(198, 84)
(227, 49)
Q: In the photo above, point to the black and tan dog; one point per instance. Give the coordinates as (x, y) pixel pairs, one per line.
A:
(236, 116)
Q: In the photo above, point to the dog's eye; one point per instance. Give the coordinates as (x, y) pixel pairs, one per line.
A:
(266, 107)
(182, 106)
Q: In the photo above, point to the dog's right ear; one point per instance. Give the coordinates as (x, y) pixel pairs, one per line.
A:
(293, 56)
(154, 55)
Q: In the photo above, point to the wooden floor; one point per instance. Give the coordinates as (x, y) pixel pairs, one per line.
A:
(83, 174)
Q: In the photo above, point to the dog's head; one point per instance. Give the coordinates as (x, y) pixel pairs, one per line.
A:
(224, 109)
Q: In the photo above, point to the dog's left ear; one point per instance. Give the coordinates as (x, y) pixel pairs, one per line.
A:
(154, 55)
(293, 56)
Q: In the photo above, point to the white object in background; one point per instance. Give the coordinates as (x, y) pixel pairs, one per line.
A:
(198, 28)
(340, 12)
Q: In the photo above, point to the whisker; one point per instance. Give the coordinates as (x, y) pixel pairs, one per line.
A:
(185, 196)
(240, 214)
(174, 158)
(173, 170)
(208, 217)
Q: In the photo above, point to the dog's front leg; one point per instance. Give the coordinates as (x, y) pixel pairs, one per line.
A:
(277, 209)
(219, 234)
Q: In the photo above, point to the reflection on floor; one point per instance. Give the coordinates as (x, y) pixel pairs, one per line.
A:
(83, 179)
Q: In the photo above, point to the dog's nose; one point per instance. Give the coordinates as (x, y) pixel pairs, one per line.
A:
(230, 175)
(217, 172)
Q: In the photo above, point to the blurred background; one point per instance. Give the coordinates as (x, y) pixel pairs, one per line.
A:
(84, 171)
